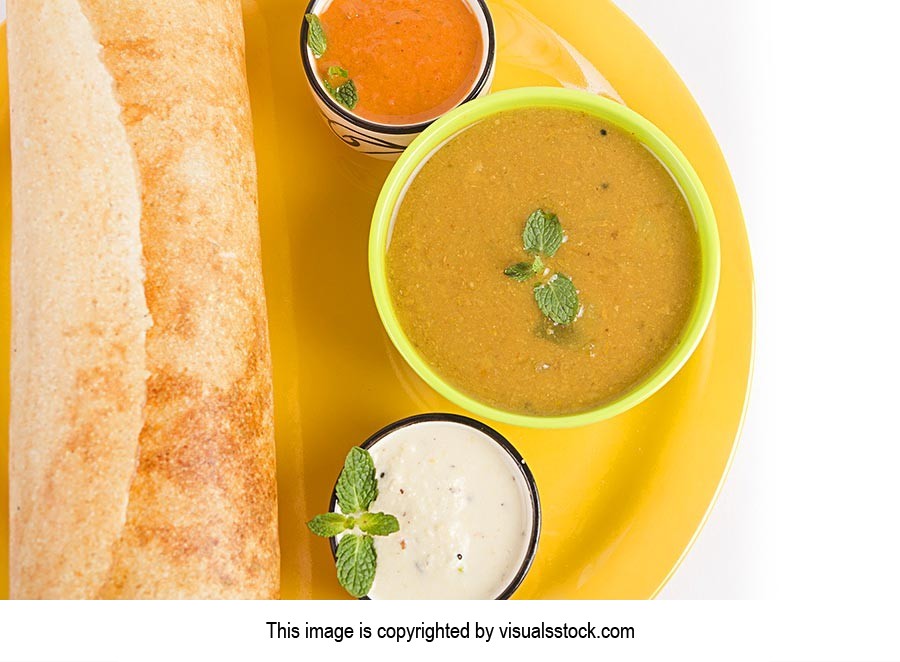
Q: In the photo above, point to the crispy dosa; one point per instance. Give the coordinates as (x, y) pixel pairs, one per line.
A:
(142, 461)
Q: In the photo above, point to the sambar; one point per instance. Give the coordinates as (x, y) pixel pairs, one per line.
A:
(631, 248)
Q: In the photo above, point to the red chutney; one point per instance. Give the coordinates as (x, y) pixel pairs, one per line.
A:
(410, 60)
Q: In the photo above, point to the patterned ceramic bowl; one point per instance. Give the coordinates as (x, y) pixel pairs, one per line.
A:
(387, 141)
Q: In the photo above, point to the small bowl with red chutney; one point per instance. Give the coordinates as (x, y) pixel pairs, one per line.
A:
(381, 72)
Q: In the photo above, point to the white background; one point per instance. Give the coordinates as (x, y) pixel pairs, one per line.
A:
(801, 95)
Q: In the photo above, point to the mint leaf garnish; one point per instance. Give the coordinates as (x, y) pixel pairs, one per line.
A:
(378, 524)
(338, 72)
(522, 271)
(356, 489)
(543, 233)
(356, 564)
(356, 486)
(316, 38)
(328, 525)
(346, 95)
(558, 299)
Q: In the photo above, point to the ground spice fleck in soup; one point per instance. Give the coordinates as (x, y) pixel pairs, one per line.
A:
(631, 248)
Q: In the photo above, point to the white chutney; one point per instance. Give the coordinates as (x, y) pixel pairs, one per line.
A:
(464, 508)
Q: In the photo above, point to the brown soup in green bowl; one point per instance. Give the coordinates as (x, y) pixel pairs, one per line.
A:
(544, 257)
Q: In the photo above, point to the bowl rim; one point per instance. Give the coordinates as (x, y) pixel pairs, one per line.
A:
(624, 118)
(481, 81)
(504, 443)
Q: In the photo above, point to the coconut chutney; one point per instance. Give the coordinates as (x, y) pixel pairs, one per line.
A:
(465, 512)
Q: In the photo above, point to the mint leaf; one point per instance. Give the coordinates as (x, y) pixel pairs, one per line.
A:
(329, 525)
(522, 271)
(316, 37)
(356, 486)
(558, 299)
(378, 524)
(519, 271)
(356, 564)
(543, 233)
(346, 95)
(356, 489)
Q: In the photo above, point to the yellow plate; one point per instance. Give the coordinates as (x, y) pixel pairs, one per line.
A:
(622, 499)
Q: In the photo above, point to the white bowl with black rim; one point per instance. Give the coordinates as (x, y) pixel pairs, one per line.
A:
(467, 505)
(377, 139)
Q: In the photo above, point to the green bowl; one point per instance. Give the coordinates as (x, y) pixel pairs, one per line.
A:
(547, 97)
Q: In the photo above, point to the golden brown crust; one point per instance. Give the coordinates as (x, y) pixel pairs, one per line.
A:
(201, 508)
(78, 368)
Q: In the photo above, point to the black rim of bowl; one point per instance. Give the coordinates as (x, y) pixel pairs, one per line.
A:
(393, 129)
(501, 441)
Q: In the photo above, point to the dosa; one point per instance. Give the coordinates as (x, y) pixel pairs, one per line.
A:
(142, 459)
